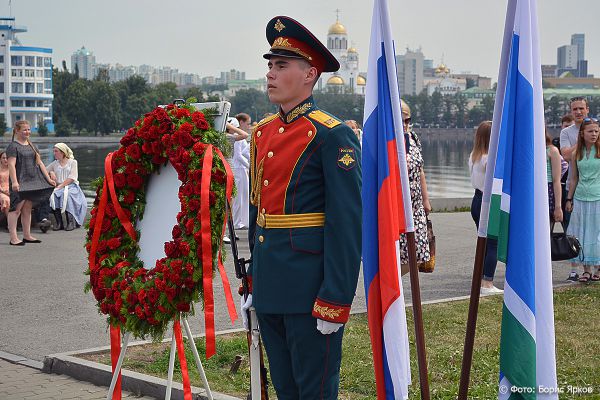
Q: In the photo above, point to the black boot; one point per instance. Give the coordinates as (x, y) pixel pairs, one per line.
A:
(59, 222)
(70, 221)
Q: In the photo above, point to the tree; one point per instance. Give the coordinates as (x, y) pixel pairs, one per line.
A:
(448, 114)
(77, 104)
(471, 83)
(163, 93)
(3, 126)
(253, 102)
(487, 107)
(343, 106)
(61, 81)
(193, 91)
(135, 99)
(436, 107)
(63, 128)
(42, 128)
(460, 104)
(104, 108)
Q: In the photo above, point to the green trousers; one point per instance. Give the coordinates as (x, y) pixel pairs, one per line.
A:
(304, 364)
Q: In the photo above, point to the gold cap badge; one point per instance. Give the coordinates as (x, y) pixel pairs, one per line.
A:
(279, 26)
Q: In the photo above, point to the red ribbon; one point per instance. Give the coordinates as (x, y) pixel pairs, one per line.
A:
(98, 227)
(127, 225)
(226, 287)
(185, 376)
(115, 350)
(209, 305)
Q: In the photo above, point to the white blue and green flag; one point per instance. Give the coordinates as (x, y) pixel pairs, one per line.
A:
(516, 201)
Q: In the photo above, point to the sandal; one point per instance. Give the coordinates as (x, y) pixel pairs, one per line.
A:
(585, 277)
(595, 278)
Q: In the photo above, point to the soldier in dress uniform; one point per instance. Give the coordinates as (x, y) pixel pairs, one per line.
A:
(305, 220)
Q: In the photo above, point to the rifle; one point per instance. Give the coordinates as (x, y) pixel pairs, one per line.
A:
(258, 373)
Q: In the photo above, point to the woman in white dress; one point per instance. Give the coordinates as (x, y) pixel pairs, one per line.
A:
(240, 165)
(67, 198)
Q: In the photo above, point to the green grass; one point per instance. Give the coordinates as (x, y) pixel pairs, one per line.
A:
(577, 319)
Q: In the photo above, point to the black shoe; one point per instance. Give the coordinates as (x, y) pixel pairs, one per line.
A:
(59, 221)
(44, 225)
(32, 241)
(17, 244)
(70, 222)
(573, 277)
(237, 237)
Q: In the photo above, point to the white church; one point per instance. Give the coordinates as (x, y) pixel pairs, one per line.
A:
(348, 79)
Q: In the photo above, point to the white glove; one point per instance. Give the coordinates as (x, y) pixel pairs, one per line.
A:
(245, 305)
(326, 327)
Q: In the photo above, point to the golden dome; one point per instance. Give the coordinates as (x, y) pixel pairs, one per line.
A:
(442, 69)
(361, 81)
(337, 29)
(335, 80)
(352, 50)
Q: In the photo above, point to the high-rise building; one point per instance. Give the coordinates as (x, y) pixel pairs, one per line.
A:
(25, 79)
(578, 39)
(566, 59)
(83, 62)
(410, 71)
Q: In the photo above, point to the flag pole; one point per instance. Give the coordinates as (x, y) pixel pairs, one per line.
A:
(465, 372)
(417, 315)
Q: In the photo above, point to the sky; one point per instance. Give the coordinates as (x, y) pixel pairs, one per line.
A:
(207, 37)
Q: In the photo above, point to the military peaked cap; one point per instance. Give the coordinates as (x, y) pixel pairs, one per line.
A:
(289, 38)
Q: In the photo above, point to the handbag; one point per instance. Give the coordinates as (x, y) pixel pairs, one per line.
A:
(563, 246)
(428, 266)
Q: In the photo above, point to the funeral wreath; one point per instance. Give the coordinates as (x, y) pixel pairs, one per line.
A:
(143, 299)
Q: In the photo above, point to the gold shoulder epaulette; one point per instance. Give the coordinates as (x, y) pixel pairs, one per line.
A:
(267, 120)
(324, 118)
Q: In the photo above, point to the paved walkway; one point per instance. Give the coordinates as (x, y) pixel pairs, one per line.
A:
(43, 308)
(18, 382)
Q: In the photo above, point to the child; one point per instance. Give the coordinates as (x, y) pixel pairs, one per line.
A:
(583, 200)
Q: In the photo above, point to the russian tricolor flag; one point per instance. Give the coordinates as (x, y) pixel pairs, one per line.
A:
(387, 212)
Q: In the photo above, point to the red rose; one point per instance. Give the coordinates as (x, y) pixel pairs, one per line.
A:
(135, 181)
(114, 243)
(101, 247)
(171, 249)
(180, 216)
(170, 292)
(185, 157)
(141, 295)
(187, 190)
(139, 311)
(110, 211)
(199, 248)
(134, 151)
(147, 148)
(157, 147)
(176, 231)
(129, 198)
(153, 295)
(132, 298)
(183, 307)
(158, 159)
(166, 140)
(199, 147)
(176, 266)
(194, 205)
(184, 248)
(199, 120)
(197, 189)
(182, 113)
(120, 180)
(189, 226)
(219, 176)
(212, 198)
(185, 139)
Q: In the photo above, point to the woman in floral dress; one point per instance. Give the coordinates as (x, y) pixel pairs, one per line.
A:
(418, 193)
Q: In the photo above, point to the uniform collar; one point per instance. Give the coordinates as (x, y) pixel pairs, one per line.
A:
(298, 111)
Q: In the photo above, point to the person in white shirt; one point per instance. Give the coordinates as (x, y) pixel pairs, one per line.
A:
(240, 166)
(477, 166)
(67, 198)
(568, 145)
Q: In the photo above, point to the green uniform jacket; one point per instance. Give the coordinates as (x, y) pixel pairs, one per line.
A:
(305, 214)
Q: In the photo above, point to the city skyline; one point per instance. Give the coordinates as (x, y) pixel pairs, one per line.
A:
(466, 35)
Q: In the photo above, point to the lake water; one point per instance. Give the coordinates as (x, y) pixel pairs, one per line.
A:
(446, 165)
